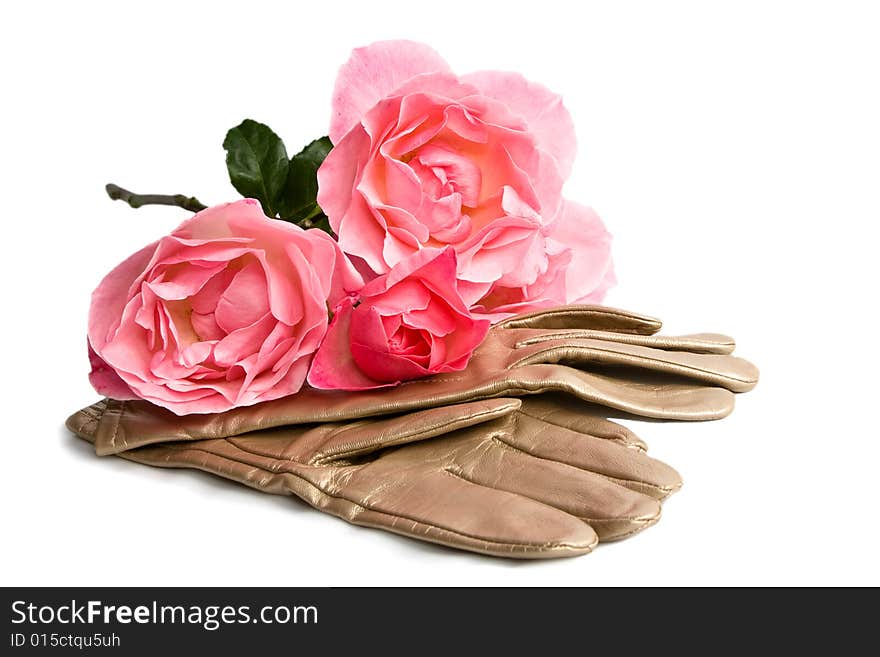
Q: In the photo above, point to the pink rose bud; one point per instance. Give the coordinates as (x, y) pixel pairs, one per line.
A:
(410, 323)
(425, 158)
(225, 311)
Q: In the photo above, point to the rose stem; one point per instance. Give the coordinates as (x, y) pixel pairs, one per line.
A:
(190, 203)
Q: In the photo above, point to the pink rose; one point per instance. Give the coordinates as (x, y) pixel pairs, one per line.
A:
(226, 311)
(410, 323)
(424, 158)
(579, 268)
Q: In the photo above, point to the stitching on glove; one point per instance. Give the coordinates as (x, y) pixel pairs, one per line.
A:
(84, 423)
(635, 530)
(87, 421)
(432, 379)
(677, 367)
(673, 343)
(620, 440)
(547, 420)
(458, 475)
(618, 481)
(91, 413)
(411, 436)
(117, 420)
(586, 311)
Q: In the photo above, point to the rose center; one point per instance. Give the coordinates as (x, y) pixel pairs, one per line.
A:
(443, 171)
(409, 342)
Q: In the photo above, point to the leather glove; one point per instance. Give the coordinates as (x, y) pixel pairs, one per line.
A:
(542, 477)
(598, 354)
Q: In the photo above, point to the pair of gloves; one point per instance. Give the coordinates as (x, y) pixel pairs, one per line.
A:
(514, 456)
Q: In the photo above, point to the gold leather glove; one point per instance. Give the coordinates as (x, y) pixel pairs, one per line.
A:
(598, 354)
(546, 476)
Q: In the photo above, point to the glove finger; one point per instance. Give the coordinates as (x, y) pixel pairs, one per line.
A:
(698, 343)
(735, 374)
(439, 506)
(585, 317)
(627, 467)
(571, 413)
(612, 510)
(663, 401)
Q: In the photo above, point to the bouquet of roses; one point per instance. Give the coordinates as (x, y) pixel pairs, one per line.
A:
(358, 330)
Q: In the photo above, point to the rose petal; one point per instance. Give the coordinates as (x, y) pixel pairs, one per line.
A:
(206, 327)
(464, 124)
(105, 380)
(464, 174)
(511, 246)
(215, 223)
(333, 367)
(437, 317)
(407, 296)
(244, 301)
(243, 342)
(112, 294)
(372, 73)
(543, 111)
(362, 233)
(185, 281)
(471, 291)
(345, 279)
(443, 86)
(370, 350)
(461, 342)
(338, 173)
(403, 189)
(590, 272)
(399, 244)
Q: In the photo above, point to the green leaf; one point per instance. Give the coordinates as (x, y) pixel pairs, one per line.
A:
(299, 199)
(257, 163)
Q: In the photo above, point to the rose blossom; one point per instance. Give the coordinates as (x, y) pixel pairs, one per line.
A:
(424, 158)
(225, 311)
(410, 323)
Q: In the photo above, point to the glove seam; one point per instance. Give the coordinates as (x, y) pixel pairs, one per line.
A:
(322, 458)
(458, 475)
(621, 481)
(661, 342)
(117, 420)
(645, 524)
(617, 481)
(599, 312)
(91, 413)
(616, 439)
(675, 367)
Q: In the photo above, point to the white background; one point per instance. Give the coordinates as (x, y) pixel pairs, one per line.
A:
(732, 148)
